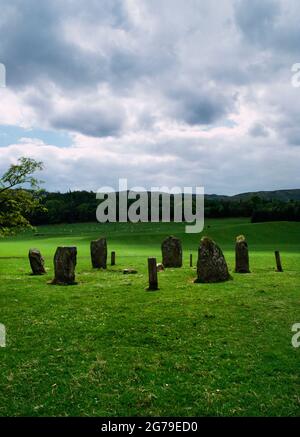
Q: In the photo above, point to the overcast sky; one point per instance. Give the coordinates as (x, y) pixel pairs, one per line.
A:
(161, 92)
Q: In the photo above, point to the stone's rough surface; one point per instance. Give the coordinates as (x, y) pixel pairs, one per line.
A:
(160, 267)
(37, 262)
(211, 265)
(241, 255)
(64, 265)
(171, 252)
(99, 253)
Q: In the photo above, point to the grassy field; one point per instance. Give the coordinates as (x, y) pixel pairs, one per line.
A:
(108, 347)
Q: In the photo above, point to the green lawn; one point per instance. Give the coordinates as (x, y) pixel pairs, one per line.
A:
(108, 347)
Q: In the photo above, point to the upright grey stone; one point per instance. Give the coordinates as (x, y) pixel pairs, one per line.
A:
(241, 255)
(211, 265)
(171, 252)
(37, 262)
(99, 253)
(65, 259)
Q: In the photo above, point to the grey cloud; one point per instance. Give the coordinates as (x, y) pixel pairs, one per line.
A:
(293, 136)
(199, 106)
(289, 131)
(258, 130)
(270, 24)
(34, 46)
(91, 121)
(256, 18)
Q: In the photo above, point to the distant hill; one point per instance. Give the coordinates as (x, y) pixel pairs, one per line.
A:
(281, 195)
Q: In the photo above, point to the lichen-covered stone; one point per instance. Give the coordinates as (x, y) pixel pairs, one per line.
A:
(171, 252)
(37, 262)
(211, 265)
(241, 255)
(65, 259)
(99, 253)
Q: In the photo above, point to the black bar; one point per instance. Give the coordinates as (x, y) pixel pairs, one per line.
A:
(142, 425)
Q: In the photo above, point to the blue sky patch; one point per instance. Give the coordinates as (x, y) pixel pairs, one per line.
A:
(12, 135)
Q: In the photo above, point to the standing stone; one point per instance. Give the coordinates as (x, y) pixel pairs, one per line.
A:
(211, 265)
(64, 265)
(99, 253)
(171, 252)
(37, 262)
(152, 272)
(278, 261)
(241, 255)
(113, 259)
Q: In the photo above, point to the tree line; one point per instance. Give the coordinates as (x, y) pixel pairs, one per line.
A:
(80, 206)
(23, 207)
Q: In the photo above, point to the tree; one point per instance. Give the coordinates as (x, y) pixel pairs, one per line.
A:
(17, 203)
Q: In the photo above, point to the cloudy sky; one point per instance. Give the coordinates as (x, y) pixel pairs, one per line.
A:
(161, 92)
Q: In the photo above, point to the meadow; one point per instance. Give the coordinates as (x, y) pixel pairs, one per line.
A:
(107, 347)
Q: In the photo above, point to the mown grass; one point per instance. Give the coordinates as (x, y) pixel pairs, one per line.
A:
(108, 347)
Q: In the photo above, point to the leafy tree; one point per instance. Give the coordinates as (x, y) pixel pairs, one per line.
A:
(16, 203)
